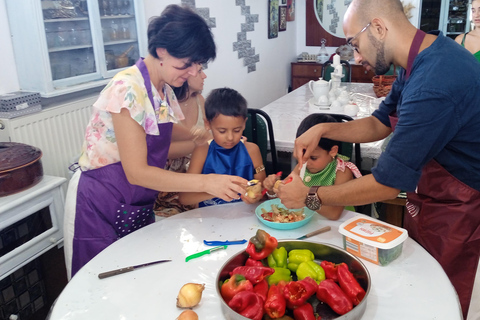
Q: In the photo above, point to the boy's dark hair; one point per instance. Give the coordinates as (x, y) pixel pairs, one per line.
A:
(316, 118)
(225, 101)
(183, 33)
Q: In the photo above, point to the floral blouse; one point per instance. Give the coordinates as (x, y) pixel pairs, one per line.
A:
(126, 90)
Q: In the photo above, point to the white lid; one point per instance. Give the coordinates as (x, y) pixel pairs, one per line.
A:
(373, 232)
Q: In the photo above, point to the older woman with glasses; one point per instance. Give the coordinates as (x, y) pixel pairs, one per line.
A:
(434, 154)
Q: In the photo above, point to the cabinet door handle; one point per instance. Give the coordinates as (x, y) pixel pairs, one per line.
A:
(315, 70)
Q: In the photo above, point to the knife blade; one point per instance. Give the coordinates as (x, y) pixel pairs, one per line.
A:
(314, 233)
(107, 274)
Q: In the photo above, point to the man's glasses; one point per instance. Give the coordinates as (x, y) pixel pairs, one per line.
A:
(349, 41)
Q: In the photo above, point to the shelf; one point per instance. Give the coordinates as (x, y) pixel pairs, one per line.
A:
(113, 43)
(69, 48)
(66, 19)
(118, 16)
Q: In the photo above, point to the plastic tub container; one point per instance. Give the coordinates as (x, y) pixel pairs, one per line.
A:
(373, 240)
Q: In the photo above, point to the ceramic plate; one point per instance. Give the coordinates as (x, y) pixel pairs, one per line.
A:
(267, 205)
(312, 104)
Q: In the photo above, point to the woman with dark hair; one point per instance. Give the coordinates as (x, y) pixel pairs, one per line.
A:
(471, 40)
(128, 137)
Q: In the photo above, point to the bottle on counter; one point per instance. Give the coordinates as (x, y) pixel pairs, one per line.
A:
(322, 56)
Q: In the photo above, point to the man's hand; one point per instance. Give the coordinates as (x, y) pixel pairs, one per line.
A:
(306, 143)
(293, 193)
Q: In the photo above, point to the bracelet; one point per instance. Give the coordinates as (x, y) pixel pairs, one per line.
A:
(271, 196)
(259, 168)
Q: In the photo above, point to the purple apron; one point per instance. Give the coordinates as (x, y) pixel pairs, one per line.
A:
(108, 206)
(443, 218)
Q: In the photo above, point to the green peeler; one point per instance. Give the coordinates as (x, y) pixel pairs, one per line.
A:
(201, 253)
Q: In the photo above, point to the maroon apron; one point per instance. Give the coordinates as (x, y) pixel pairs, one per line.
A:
(108, 207)
(443, 216)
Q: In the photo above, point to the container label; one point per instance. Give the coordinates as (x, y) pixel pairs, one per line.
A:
(373, 231)
(361, 250)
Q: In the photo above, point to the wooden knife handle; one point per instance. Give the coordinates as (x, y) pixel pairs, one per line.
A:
(114, 272)
(314, 233)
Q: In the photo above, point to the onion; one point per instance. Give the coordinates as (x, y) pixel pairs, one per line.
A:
(188, 315)
(190, 295)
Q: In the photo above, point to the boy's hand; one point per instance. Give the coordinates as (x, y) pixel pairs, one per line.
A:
(269, 181)
(249, 200)
(293, 193)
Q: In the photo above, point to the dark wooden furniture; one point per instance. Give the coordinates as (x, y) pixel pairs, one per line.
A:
(393, 210)
(303, 72)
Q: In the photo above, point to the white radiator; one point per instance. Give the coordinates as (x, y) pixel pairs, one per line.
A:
(57, 131)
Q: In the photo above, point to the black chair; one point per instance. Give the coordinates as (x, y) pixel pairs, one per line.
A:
(259, 130)
(328, 69)
(347, 148)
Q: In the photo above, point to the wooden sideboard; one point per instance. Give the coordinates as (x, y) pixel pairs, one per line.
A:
(303, 72)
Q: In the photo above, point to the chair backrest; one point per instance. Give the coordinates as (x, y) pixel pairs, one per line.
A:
(328, 69)
(346, 148)
(259, 130)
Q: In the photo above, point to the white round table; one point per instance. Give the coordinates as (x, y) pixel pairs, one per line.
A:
(413, 286)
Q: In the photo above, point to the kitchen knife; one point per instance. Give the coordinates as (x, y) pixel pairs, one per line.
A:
(314, 233)
(107, 274)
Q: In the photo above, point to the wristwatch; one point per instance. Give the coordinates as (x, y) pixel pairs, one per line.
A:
(313, 202)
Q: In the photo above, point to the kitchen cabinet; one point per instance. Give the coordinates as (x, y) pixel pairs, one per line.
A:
(360, 74)
(303, 72)
(67, 46)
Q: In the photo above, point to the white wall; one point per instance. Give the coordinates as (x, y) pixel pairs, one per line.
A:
(8, 77)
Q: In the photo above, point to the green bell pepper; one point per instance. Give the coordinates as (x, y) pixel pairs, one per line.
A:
(279, 275)
(310, 269)
(278, 258)
(297, 256)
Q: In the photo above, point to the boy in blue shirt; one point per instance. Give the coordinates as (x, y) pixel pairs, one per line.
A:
(226, 115)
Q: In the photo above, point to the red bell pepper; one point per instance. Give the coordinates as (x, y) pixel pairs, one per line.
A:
(261, 289)
(275, 305)
(305, 312)
(330, 293)
(296, 293)
(349, 284)
(254, 263)
(253, 274)
(330, 269)
(234, 285)
(248, 304)
(261, 245)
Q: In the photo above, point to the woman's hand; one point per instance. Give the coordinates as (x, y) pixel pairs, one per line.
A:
(200, 135)
(293, 193)
(225, 187)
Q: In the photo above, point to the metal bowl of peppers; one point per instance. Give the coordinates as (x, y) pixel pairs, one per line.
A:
(259, 298)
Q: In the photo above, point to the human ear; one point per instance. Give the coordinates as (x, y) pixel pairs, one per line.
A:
(161, 53)
(333, 152)
(379, 28)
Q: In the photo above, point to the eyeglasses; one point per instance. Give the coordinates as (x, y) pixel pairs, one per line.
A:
(349, 41)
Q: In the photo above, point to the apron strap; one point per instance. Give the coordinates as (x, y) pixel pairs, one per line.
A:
(146, 77)
(412, 54)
